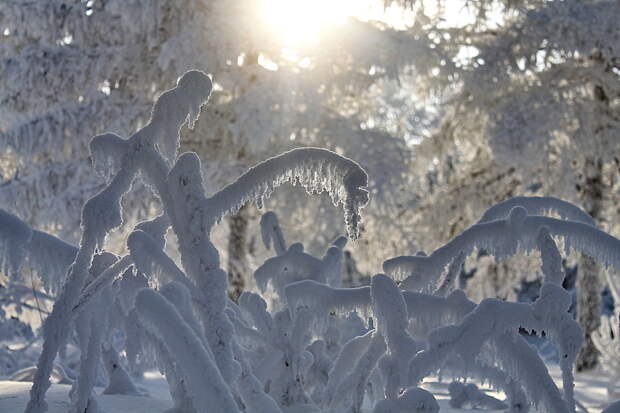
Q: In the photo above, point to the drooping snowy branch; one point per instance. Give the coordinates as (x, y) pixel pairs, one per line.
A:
(538, 205)
(351, 388)
(497, 322)
(502, 238)
(101, 281)
(322, 299)
(427, 312)
(48, 256)
(315, 169)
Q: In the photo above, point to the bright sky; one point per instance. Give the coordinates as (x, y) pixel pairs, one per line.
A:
(301, 23)
(299, 26)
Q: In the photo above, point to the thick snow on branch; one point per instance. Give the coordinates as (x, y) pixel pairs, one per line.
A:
(202, 378)
(146, 254)
(175, 107)
(332, 266)
(577, 236)
(538, 205)
(497, 322)
(390, 310)
(282, 270)
(101, 281)
(502, 238)
(50, 257)
(351, 389)
(495, 377)
(348, 357)
(322, 299)
(427, 312)
(315, 169)
(497, 237)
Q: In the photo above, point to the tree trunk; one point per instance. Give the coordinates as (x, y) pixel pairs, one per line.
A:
(589, 284)
(238, 252)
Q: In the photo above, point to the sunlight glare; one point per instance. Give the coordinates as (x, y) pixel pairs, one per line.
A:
(298, 23)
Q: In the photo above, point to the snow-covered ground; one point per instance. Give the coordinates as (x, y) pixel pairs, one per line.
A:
(590, 391)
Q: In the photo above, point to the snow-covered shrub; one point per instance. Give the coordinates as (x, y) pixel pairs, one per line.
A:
(169, 319)
(311, 342)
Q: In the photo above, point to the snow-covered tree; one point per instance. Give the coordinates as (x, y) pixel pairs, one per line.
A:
(67, 75)
(530, 93)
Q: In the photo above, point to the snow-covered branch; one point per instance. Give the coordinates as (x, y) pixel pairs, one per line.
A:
(315, 169)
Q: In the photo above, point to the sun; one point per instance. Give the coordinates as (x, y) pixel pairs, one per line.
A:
(300, 23)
